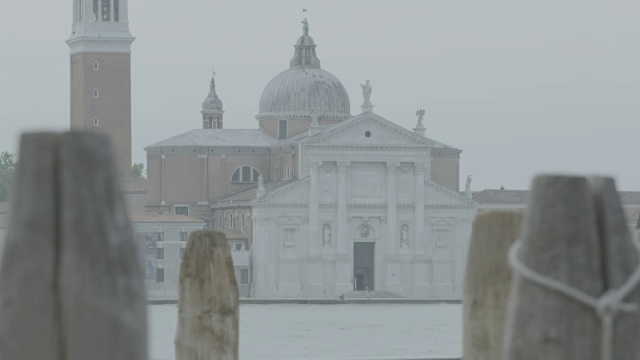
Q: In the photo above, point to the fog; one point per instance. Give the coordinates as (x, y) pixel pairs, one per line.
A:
(521, 87)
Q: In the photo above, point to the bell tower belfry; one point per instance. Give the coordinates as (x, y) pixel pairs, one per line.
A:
(100, 44)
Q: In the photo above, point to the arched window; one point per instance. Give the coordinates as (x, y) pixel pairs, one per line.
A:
(96, 93)
(96, 66)
(245, 174)
(96, 121)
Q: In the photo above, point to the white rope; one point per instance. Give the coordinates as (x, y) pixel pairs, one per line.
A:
(606, 307)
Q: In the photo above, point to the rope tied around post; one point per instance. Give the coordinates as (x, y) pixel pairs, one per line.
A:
(606, 307)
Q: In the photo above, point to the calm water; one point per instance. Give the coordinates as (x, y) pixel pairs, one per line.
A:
(290, 331)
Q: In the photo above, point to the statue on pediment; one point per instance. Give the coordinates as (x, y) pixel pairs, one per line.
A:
(366, 92)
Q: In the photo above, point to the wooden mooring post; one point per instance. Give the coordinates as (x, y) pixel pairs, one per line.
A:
(574, 293)
(71, 285)
(208, 301)
(487, 283)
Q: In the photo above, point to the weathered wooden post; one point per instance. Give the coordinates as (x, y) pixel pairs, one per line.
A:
(487, 283)
(208, 301)
(71, 286)
(575, 293)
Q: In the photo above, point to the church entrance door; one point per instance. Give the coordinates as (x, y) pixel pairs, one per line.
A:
(363, 262)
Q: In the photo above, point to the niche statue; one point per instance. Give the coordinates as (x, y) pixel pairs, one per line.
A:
(326, 235)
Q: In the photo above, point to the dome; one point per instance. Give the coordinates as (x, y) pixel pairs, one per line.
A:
(304, 88)
(298, 91)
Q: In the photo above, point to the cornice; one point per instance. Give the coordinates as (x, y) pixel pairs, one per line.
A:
(275, 205)
(367, 146)
(208, 148)
(367, 205)
(301, 116)
(450, 206)
(328, 205)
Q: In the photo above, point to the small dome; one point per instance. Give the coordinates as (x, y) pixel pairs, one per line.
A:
(212, 102)
(305, 88)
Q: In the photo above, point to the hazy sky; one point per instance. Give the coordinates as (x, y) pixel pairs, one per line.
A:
(521, 87)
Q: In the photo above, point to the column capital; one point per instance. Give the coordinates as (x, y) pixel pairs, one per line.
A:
(343, 164)
(163, 156)
(202, 156)
(314, 164)
(393, 165)
(420, 166)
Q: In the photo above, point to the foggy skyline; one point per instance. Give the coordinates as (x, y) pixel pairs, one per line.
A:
(520, 88)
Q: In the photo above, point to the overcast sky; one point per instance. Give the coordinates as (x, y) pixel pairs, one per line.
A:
(521, 87)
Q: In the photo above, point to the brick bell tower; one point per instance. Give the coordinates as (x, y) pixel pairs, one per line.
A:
(100, 44)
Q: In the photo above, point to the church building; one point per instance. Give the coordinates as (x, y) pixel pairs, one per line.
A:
(326, 202)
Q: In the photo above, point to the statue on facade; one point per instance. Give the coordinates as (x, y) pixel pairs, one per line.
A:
(305, 27)
(467, 187)
(364, 231)
(326, 235)
(404, 235)
(420, 114)
(314, 117)
(366, 92)
(261, 191)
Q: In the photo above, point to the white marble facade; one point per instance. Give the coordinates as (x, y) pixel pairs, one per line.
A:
(310, 236)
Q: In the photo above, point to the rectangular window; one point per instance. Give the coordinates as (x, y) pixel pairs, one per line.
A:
(242, 220)
(160, 253)
(181, 253)
(244, 276)
(106, 10)
(220, 221)
(80, 10)
(282, 129)
(160, 236)
(183, 236)
(232, 223)
(159, 275)
(96, 10)
(116, 10)
(182, 210)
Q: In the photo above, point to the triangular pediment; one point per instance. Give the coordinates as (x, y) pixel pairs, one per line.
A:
(437, 195)
(369, 128)
(294, 193)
